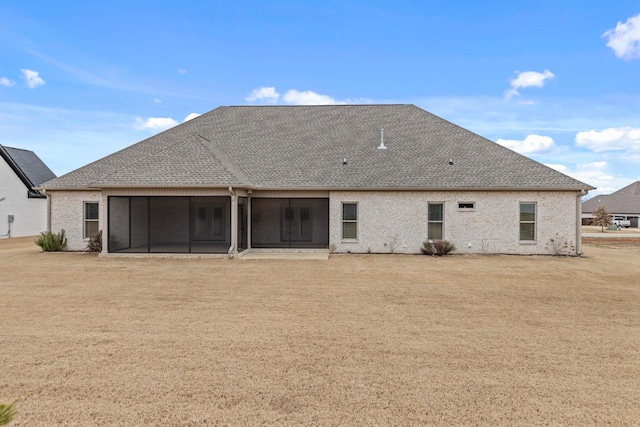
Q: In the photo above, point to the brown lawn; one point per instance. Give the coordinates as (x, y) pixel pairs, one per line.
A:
(356, 340)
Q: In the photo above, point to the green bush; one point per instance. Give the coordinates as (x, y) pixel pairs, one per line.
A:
(52, 242)
(7, 412)
(437, 247)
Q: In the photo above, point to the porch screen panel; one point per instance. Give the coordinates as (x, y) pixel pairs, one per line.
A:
(119, 215)
(289, 223)
(169, 224)
(139, 224)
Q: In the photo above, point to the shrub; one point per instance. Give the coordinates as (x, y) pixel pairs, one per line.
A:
(52, 242)
(95, 242)
(7, 412)
(437, 247)
(559, 246)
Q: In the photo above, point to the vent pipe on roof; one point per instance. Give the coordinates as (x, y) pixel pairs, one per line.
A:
(382, 146)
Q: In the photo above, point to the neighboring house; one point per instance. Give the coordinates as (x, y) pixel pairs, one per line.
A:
(623, 203)
(347, 178)
(23, 210)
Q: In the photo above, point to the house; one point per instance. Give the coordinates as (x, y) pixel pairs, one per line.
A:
(23, 210)
(347, 178)
(623, 203)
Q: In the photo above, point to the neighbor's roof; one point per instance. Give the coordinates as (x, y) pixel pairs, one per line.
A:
(624, 201)
(28, 167)
(304, 147)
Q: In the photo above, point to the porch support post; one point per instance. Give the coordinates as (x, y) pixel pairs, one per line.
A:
(249, 216)
(104, 219)
(233, 249)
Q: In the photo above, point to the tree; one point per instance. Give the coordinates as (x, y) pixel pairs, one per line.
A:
(601, 217)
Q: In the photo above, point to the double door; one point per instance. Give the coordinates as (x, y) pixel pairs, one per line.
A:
(209, 222)
(296, 223)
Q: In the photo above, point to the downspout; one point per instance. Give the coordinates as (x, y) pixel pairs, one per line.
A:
(48, 210)
(579, 222)
(234, 224)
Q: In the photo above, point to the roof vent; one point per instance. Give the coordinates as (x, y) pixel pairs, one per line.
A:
(382, 146)
(344, 161)
(450, 162)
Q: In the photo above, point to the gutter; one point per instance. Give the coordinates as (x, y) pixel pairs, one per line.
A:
(258, 188)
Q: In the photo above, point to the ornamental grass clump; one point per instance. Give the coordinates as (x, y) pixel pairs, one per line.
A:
(7, 412)
(437, 247)
(52, 242)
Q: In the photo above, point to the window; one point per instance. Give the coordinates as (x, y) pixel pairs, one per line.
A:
(435, 221)
(527, 222)
(350, 221)
(466, 206)
(91, 226)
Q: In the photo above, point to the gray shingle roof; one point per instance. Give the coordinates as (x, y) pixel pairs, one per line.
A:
(303, 147)
(28, 167)
(624, 201)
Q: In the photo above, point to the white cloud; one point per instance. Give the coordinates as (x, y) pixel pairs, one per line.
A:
(532, 144)
(596, 174)
(308, 98)
(6, 82)
(624, 39)
(296, 97)
(611, 139)
(155, 123)
(559, 168)
(190, 116)
(528, 79)
(267, 94)
(157, 101)
(182, 71)
(32, 78)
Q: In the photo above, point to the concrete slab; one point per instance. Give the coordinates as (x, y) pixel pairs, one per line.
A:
(315, 255)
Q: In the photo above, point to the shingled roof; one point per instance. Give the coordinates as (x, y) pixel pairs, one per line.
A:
(318, 147)
(624, 201)
(28, 167)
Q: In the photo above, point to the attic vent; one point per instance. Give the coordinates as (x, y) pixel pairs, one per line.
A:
(382, 146)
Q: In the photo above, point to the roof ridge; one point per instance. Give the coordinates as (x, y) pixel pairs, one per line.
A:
(194, 140)
(141, 159)
(231, 167)
(318, 105)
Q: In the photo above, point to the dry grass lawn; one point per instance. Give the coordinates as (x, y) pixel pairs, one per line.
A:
(356, 340)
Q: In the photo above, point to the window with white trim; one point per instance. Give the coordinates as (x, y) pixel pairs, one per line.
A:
(91, 217)
(349, 221)
(527, 222)
(435, 221)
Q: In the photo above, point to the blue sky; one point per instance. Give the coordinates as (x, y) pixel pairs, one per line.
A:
(556, 81)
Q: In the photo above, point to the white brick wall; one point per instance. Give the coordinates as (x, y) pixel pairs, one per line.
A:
(397, 221)
(67, 212)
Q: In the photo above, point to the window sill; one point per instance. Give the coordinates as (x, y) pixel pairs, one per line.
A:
(349, 241)
(528, 242)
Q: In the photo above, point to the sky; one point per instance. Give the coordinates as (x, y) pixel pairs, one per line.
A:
(556, 81)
